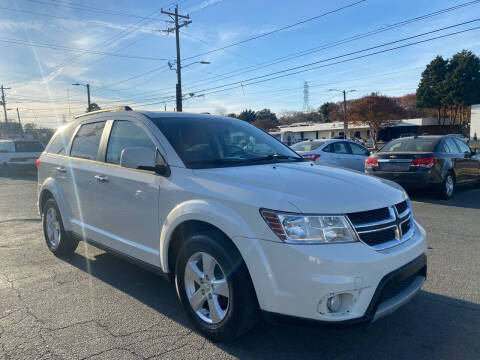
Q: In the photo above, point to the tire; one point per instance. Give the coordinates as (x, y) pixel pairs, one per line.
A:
(448, 186)
(57, 240)
(235, 314)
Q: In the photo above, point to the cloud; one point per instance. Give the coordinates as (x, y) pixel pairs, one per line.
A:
(8, 26)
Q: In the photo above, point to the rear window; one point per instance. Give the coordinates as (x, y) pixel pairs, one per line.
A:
(59, 143)
(410, 145)
(28, 146)
(306, 145)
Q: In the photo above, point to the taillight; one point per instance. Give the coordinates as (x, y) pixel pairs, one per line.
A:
(37, 162)
(424, 162)
(371, 163)
(311, 157)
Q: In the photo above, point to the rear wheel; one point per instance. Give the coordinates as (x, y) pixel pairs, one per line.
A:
(214, 287)
(448, 186)
(56, 238)
(5, 170)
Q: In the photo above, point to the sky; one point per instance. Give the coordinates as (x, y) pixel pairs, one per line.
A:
(260, 53)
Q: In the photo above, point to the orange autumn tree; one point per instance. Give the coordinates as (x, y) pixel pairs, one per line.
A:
(373, 110)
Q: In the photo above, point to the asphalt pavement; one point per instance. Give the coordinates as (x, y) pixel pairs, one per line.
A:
(96, 306)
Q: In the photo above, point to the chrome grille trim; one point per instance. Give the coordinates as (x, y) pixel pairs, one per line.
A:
(396, 221)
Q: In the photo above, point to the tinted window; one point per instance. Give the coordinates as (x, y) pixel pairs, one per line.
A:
(450, 146)
(307, 145)
(60, 141)
(410, 145)
(328, 148)
(28, 146)
(358, 149)
(87, 139)
(125, 134)
(464, 148)
(340, 148)
(207, 142)
(4, 146)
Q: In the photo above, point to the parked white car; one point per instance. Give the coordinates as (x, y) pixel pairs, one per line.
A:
(236, 219)
(19, 154)
(344, 153)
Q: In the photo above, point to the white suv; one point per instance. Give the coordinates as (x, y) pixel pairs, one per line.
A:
(239, 221)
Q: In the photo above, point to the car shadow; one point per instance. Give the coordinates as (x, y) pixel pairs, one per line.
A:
(464, 197)
(31, 176)
(431, 326)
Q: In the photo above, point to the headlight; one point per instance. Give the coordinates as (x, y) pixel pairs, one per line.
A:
(316, 229)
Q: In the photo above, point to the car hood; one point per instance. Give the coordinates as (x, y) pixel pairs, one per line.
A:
(301, 186)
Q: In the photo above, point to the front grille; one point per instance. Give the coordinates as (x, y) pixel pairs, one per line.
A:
(401, 207)
(364, 217)
(405, 227)
(378, 237)
(384, 227)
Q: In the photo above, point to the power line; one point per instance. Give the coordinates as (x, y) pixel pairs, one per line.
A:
(276, 30)
(329, 45)
(315, 49)
(65, 48)
(244, 83)
(359, 51)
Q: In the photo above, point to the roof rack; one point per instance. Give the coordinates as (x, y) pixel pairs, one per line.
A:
(120, 108)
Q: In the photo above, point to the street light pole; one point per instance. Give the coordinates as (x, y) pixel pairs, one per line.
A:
(345, 124)
(88, 93)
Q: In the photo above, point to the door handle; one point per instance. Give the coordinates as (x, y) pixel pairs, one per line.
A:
(61, 169)
(101, 178)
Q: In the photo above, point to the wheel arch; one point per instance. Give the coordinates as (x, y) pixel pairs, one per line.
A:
(199, 215)
(50, 189)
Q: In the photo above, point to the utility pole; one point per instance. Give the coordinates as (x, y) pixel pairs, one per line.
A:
(88, 95)
(18, 116)
(345, 124)
(4, 103)
(177, 27)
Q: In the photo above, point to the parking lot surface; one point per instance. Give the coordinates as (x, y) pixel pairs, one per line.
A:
(96, 306)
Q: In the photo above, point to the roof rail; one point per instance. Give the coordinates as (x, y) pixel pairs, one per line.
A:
(120, 108)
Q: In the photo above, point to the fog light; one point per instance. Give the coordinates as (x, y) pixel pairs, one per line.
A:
(334, 303)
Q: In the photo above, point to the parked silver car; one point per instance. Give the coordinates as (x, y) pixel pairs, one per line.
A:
(344, 153)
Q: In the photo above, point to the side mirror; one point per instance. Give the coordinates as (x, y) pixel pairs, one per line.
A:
(144, 158)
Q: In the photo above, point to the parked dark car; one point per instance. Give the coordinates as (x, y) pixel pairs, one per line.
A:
(442, 162)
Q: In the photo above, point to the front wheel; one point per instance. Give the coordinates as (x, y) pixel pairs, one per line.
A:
(448, 186)
(214, 287)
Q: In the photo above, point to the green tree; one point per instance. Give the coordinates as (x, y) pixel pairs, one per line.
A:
(266, 114)
(431, 90)
(232, 115)
(248, 115)
(93, 107)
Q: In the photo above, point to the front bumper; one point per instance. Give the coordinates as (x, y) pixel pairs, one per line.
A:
(297, 280)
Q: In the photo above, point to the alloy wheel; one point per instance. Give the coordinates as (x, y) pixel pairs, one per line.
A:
(52, 225)
(207, 288)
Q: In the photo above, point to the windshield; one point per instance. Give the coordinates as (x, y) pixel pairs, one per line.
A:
(209, 142)
(28, 146)
(410, 145)
(307, 145)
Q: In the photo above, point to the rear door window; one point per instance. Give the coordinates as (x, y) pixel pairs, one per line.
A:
(86, 141)
(340, 148)
(28, 146)
(451, 147)
(126, 134)
(358, 149)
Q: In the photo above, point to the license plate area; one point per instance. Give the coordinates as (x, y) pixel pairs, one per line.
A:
(389, 165)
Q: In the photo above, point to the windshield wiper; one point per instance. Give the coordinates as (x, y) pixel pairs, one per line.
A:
(276, 157)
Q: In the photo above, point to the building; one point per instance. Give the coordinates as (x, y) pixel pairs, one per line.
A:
(290, 134)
